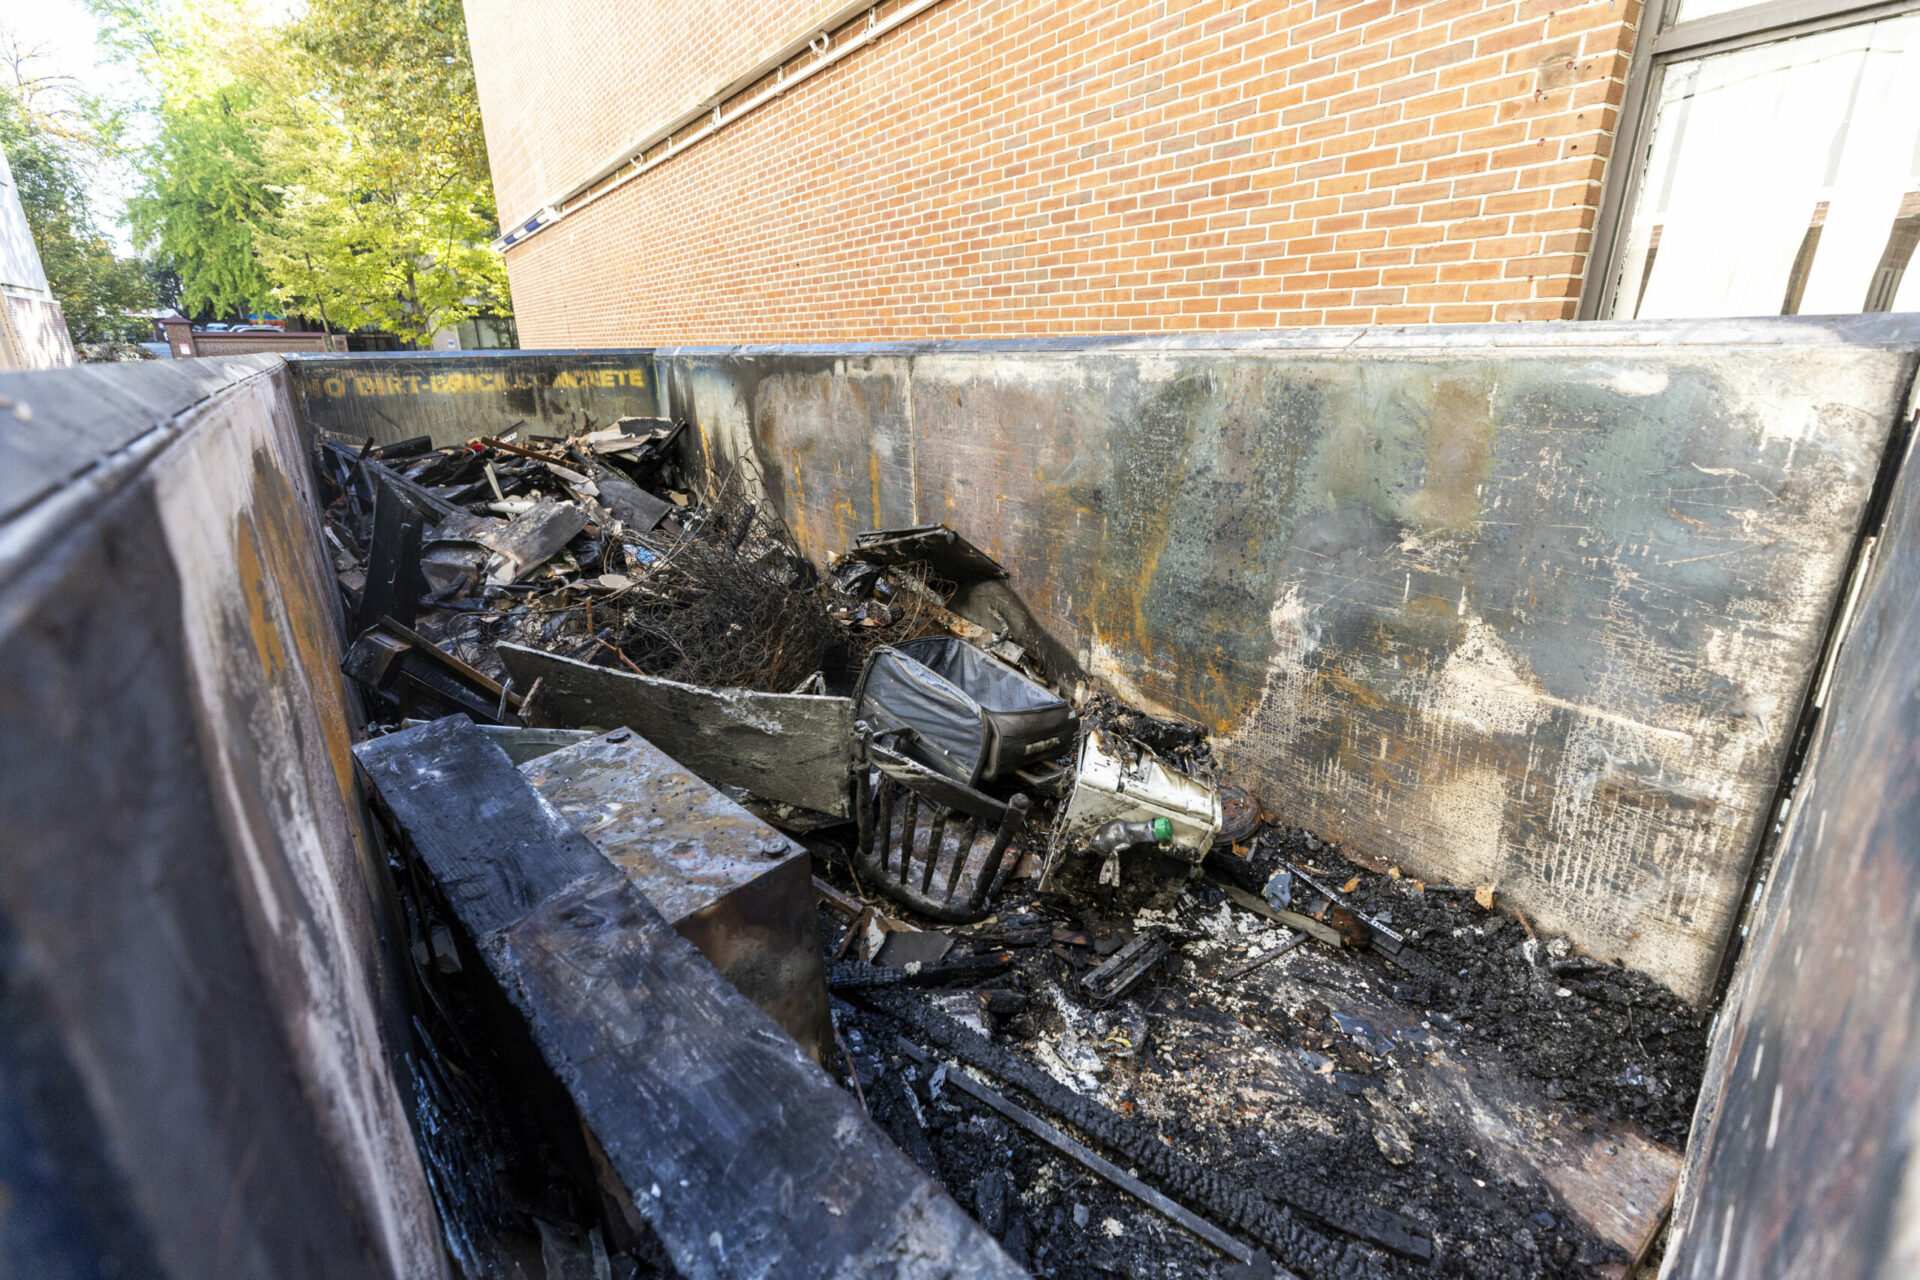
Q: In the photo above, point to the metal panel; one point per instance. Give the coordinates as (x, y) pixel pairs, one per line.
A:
(1532, 606)
(196, 984)
(1802, 1160)
(744, 1158)
(455, 396)
(727, 882)
(792, 748)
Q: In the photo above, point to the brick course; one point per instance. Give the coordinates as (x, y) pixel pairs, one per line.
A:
(1010, 167)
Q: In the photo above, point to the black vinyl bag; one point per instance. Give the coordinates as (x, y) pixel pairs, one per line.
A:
(966, 714)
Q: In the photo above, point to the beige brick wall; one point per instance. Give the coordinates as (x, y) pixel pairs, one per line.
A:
(1011, 167)
(566, 82)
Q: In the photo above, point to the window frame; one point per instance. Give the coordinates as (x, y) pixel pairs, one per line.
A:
(1658, 44)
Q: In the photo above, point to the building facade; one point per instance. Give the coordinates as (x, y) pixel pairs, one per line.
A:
(33, 331)
(768, 170)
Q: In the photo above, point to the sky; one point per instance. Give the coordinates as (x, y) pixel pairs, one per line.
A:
(62, 31)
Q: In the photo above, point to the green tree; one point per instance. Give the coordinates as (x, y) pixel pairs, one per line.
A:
(334, 166)
(206, 198)
(389, 219)
(97, 291)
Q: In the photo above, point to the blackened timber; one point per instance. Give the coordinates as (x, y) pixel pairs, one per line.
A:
(854, 975)
(738, 1152)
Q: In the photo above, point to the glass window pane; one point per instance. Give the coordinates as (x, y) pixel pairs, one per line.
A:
(1783, 178)
(1688, 10)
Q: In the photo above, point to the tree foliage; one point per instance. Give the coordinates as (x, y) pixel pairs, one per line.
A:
(50, 146)
(205, 199)
(333, 166)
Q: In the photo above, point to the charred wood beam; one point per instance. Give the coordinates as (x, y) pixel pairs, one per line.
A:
(737, 1151)
(852, 975)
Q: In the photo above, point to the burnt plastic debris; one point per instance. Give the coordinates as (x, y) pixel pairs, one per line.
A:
(413, 678)
(945, 552)
(925, 840)
(1115, 838)
(610, 546)
(963, 712)
(1124, 970)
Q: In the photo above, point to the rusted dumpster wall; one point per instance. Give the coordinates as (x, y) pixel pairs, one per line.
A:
(1530, 606)
(1803, 1154)
(455, 396)
(198, 1021)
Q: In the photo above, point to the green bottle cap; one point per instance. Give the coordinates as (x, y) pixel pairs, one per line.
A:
(1162, 830)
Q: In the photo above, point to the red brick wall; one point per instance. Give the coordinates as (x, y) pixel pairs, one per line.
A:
(1004, 167)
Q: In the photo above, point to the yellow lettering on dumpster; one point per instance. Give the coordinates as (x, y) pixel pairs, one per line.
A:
(479, 382)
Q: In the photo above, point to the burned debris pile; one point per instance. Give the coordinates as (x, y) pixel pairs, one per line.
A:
(602, 548)
(1129, 1020)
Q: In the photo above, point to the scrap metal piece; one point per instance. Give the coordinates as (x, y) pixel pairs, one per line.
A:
(1239, 815)
(913, 946)
(734, 887)
(633, 506)
(394, 581)
(1343, 914)
(1091, 1160)
(1125, 969)
(1263, 960)
(423, 680)
(788, 747)
(1121, 779)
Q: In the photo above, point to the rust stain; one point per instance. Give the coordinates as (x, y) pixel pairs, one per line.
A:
(845, 517)
(1459, 457)
(262, 626)
(273, 557)
(1353, 688)
(796, 512)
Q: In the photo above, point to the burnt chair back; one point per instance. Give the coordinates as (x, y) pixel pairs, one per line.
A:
(925, 840)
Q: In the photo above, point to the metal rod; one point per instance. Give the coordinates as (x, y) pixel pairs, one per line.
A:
(884, 831)
(1242, 970)
(862, 789)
